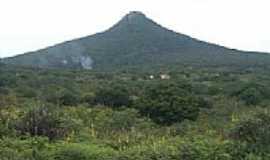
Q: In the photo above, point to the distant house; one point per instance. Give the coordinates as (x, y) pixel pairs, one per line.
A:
(165, 76)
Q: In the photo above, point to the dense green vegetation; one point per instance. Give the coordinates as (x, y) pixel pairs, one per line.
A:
(196, 114)
(153, 94)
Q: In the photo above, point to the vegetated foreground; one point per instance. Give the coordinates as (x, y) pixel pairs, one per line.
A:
(181, 114)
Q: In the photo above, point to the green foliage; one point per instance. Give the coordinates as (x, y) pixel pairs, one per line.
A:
(69, 98)
(88, 98)
(114, 96)
(148, 153)
(255, 131)
(3, 91)
(82, 152)
(7, 79)
(197, 114)
(61, 96)
(32, 149)
(206, 148)
(7, 116)
(252, 94)
(169, 103)
(26, 92)
(45, 121)
(123, 120)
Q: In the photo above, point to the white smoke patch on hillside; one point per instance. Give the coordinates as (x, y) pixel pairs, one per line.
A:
(86, 62)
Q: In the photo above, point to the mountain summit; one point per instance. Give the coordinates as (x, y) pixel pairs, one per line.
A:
(134, 18)
(136, 41)
(135, 15)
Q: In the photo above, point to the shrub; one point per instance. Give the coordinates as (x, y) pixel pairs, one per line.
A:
(115, 97)
(30, 149)
(7, 79)
(61, 96)
(252, 94)
(69, 98)
(3, 91)
(75, 151)
(254, 131)
(168, 104)
(45, 121)
(88, 98)
(26, 92)
(164, 151)
(209, 148)
(107, 121)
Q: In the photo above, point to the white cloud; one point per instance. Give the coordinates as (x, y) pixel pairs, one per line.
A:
(32, 24)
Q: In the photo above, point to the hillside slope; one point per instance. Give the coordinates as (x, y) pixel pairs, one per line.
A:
(134, 42)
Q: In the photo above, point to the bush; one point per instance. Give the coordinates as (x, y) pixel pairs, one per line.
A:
(30, 149)
(88, 98)
(115, 97)
(75, 151)
(45, 121)
(7, 79)
(123, 120)
(3, 91)
(61, 96)
(168, 104)
(252, 94)
(254, 131)
(26, 92)
(69, 98)
(164, 151)
(107, 121)
(209, 148)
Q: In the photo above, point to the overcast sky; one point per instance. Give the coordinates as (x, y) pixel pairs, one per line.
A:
(27, 25)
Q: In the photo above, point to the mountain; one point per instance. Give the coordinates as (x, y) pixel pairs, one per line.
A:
(135, 42)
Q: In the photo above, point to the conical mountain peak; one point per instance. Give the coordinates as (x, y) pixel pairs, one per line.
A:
(134, 20)
(135, 15)
(135, 41)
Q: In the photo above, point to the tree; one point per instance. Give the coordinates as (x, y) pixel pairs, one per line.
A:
(26, 92)
(251, 96)
(69, 98)
(252, 93)
(255, 131)
(44, 121)
(114, 96)
(168, 104)
(60, 95)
